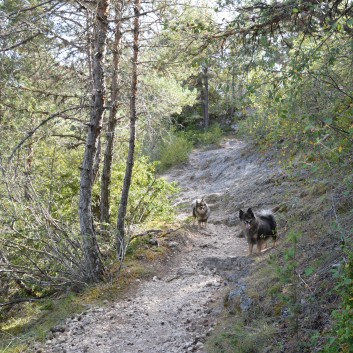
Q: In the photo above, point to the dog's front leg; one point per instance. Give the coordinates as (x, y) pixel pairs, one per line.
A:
(274, 242)
(259, 246)
(251, 245)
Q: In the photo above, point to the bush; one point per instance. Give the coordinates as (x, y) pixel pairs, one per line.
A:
(177, 147)
(174, 151)
(212, 136)
(340, 337)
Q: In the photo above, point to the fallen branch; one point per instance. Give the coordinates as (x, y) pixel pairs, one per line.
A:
(21, 300)
(156, 231)
(148, 232)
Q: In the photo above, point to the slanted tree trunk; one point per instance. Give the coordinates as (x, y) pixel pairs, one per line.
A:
(112, 121)
(205, 98)
(93, 264)
(120, 237)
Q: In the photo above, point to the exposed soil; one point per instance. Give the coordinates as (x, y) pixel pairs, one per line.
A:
(177, 309)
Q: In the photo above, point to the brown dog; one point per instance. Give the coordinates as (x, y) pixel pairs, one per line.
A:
(201, 212)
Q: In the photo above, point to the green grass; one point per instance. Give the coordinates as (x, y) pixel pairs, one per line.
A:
(212, 136)
(33, 321)
(242, 339)
(176, 149)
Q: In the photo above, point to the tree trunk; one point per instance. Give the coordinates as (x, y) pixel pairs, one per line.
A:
(205, 100)
(108, 154)
(232, 98)
(93, 264)
(28, 166)
(120, 237)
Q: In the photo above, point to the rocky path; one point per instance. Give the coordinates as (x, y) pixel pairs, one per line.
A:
(174, 312)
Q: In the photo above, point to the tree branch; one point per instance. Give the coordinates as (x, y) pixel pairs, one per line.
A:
(21, 43)
(30, 134)
(21, 300)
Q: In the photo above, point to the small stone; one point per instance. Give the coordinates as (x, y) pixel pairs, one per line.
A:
(153, 242)
(199, 345)
(58, 329)
(62, 339)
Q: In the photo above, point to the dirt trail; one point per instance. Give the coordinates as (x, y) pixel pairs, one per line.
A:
(176, 311)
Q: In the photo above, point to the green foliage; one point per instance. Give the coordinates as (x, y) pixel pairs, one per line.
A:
(212, 136)
(173, 151)
(340, 338)
(304, 113)
(244, 339)
(176, 148)
(35, 321)
(45, 237)
(149, 197)
(307, 116)
(288, 279)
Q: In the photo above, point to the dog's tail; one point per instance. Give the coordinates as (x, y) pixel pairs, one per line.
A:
(268, 215)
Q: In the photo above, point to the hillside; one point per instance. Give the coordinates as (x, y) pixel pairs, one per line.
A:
(209, 295)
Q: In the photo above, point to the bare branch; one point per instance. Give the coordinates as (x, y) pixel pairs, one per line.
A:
(30, 8)
(22, 42)
(30, 134)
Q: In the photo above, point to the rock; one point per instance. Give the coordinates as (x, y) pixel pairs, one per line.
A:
(173, 244)
(61, 339)
(228, 263)
(237, 299)
(199, 345)
(153, 242)
(58, 329)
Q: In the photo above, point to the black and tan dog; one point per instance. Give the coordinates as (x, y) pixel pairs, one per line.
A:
(258, 228)
(201, 212)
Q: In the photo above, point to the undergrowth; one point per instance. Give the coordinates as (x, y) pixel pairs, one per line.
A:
(175, 149)
(319, 281)
(242, 338)
(340, 336)
(27, 322)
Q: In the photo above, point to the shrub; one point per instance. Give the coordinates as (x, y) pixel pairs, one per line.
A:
(212, 136)
(340, 337)
(174, 151)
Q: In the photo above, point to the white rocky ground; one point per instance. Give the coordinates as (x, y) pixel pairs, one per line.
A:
(175, 312)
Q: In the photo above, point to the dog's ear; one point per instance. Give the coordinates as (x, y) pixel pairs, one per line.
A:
(251, 213)
(241, 214)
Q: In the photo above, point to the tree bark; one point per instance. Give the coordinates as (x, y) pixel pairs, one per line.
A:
(120, 237)
(232, 98)
(112, 121)
(93, 264)
(205, 98)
